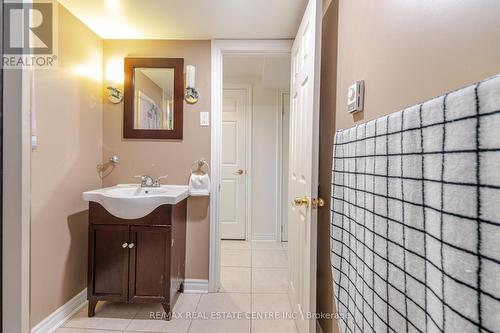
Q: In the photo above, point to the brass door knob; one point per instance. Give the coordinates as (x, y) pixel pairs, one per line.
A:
(301, 201)
(318, 203)
(239, 172)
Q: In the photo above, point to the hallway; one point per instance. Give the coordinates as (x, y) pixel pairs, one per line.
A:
(258, 273)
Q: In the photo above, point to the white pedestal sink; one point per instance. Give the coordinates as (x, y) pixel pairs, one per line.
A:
(130, 201)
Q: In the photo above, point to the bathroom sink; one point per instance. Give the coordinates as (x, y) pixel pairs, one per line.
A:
(130, 201)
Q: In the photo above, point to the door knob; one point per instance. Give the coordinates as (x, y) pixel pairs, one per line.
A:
(124, 245)
(301, 201)
(318, 203)
(131, 245)
(239, 172)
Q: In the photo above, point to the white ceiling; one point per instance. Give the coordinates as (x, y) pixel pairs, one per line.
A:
(189, 19)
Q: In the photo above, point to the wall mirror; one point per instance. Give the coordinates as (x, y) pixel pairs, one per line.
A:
(153, 98)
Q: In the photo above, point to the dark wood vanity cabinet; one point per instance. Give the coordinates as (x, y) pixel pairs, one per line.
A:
(137, 260)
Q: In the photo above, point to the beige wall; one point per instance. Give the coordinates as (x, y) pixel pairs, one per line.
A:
(69, 125)
(410, 51)
(160, 157)
(407, 52)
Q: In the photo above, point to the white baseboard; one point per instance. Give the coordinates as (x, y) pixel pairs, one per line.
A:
(264, 237)
(53, 321)
(61, 315)
(195, 286)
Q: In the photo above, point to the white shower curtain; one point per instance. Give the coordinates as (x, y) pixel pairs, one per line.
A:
(415, 231)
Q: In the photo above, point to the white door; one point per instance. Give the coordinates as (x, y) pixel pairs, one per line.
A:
(285, 109)
(303, 177)
(233, 172)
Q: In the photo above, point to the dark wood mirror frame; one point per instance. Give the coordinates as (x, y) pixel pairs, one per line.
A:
(129, 132)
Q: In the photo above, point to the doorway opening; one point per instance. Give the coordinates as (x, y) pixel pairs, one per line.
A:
(253, 146)
(254, 180)
(249, 148)
(254, 159)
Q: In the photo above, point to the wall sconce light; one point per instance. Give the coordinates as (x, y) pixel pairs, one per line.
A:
(115, 95)
(114, 76)
(192, 94)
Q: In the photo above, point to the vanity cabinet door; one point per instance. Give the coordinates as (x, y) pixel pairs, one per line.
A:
(108, 262)
(149, 264)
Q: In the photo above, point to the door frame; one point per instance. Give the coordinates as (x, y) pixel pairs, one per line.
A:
(248, 152)
(282, 203)
(219, 48)
(1, 169)
(16, 207)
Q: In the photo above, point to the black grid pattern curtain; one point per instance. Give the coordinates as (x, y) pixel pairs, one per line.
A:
(415, 232)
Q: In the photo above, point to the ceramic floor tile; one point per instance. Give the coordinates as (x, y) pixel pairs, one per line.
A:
(220, 326)
(272, 303)
(236, 258)
(270, 259)
(235, 279)
(216, 308)
(108, 316)
(235, 245)
(273, 326)
(150, 318)
(82, 330)
(224, 302)
(276, 304)
(268, 280)
(267, 245)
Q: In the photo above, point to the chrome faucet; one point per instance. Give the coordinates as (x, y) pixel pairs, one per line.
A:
(148, 181)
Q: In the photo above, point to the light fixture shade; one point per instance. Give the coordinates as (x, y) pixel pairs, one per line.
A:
(190, 76)
(191, 95)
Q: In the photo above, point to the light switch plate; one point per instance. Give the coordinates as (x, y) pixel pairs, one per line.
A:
(34, 142)
(204, 119)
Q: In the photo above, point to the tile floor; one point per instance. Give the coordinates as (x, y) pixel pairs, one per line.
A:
(254, 279)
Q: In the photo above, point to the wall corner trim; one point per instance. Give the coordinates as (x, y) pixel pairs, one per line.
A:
(195, 286)
(53, 321)
(318, 327)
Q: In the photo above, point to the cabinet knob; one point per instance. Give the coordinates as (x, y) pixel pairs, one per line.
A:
(124, 245)
(131, 245)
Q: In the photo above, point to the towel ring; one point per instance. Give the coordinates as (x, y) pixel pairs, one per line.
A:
(199, 164)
